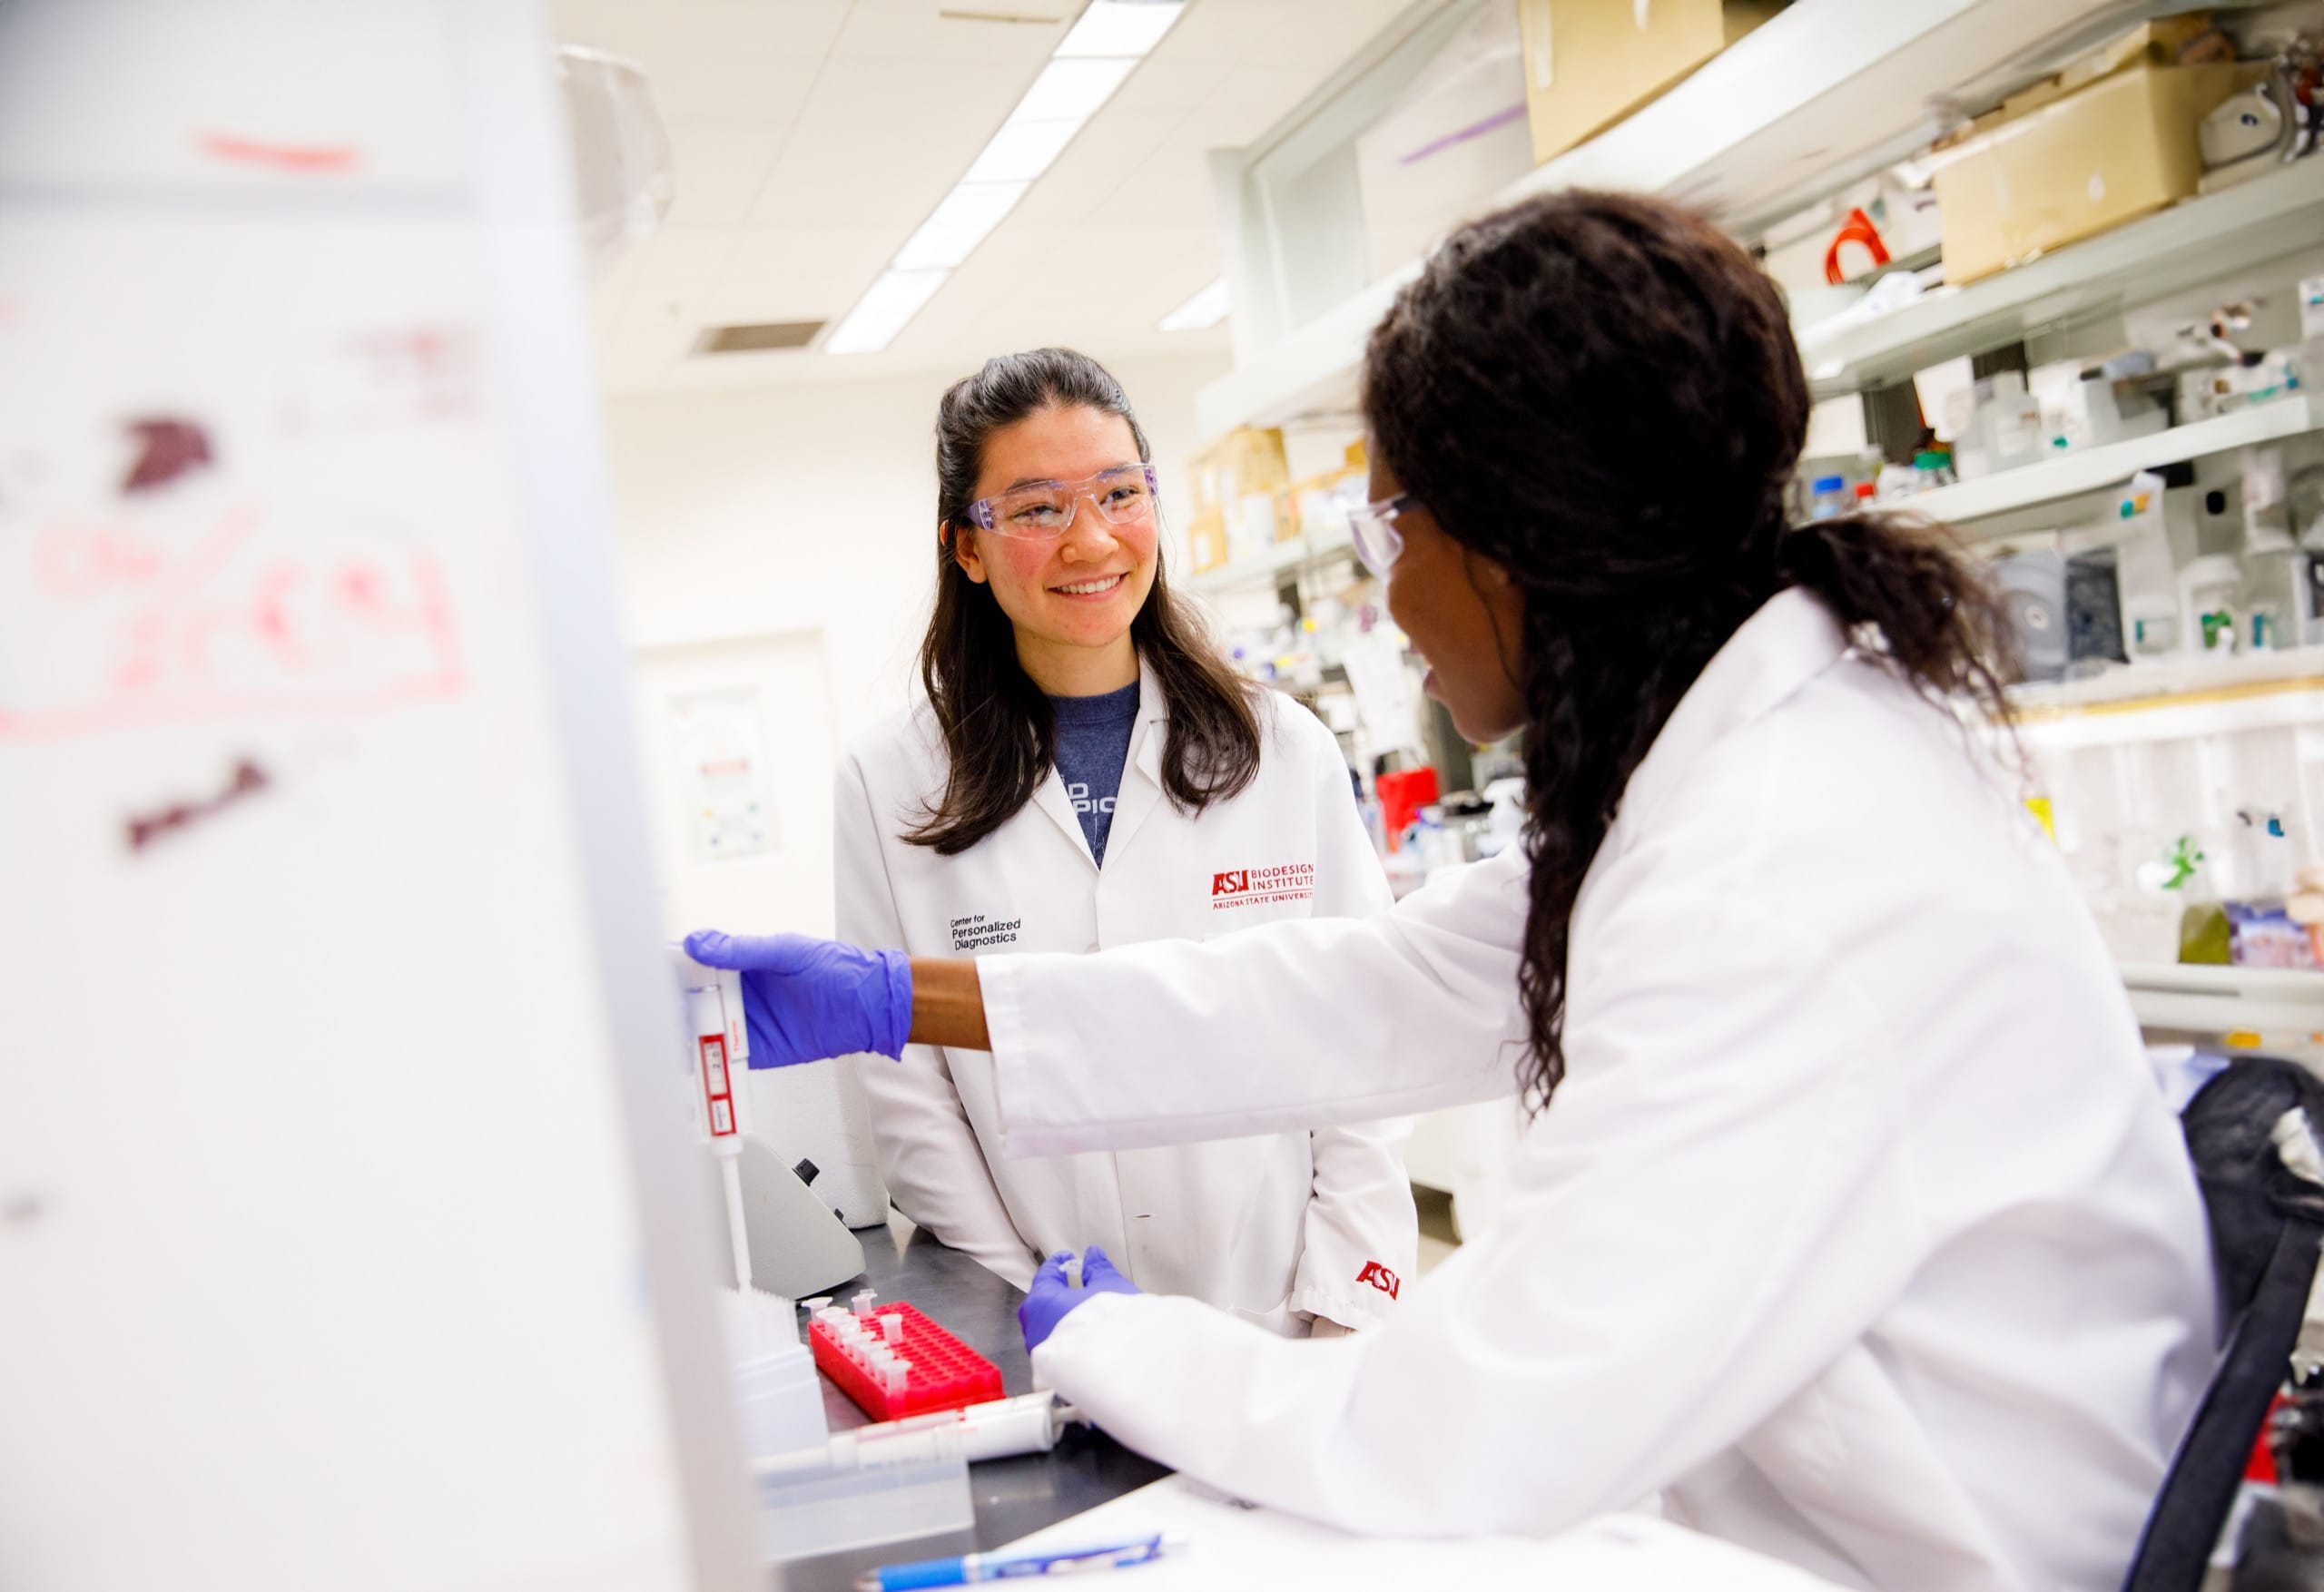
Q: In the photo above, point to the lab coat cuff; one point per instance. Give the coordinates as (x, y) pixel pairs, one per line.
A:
(998, 979)
(1359, 1309)
(1074, 1334)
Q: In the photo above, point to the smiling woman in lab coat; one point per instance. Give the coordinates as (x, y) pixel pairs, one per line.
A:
(1080, 771)
(1855, 1227)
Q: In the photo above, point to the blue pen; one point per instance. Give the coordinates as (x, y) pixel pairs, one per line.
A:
(972, 1567)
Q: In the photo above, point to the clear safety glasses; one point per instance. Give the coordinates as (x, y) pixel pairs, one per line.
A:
(1372, 526)
(1041, 510)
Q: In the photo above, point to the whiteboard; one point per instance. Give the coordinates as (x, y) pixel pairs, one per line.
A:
(345, 1239)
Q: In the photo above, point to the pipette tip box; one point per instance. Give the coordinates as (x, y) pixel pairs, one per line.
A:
(940, 1371)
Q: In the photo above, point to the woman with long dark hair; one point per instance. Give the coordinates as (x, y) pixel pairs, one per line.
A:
(1851, 1224)
(1080, 772)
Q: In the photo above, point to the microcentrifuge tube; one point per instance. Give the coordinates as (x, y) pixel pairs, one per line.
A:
(891, 1327)
(863, 1301)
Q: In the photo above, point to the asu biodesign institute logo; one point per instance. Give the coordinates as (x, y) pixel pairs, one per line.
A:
(1252, 887)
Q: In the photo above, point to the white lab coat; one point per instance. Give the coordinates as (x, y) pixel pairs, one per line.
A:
(1274, 1227)
(1857, 1229)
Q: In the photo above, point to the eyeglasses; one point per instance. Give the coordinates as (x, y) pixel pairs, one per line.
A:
(1041, 511)
(1372, 526)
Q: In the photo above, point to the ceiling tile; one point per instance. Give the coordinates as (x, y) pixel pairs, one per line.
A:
(718, 169)
(879, 143)
(798, 273)
(1243, 103)
(670, 301)
(711, 86)
(1314, 35)
(803, 29)
(916, 30)
(1099, 163)
(644, 29)
(1174, 188)
(811, 136)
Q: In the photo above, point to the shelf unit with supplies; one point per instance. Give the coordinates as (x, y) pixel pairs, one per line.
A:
(1317, 546)
(2278, 1008)
(2224, 750)
(2106, 467)
(2253, 223)
(1824, 94)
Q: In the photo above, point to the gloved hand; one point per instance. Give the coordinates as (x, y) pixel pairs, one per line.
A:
(807, 999)
(1050, 1296)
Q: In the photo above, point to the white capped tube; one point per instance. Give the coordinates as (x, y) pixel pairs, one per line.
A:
(863, 1301)
(891, 1327)
(1025, 1424)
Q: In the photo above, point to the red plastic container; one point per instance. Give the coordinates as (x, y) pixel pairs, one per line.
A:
(1401, 794)
(946, 1373)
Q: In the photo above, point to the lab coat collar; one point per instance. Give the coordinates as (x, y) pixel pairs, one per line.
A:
(1136, 796)
(1141, 787)
(1793, 638)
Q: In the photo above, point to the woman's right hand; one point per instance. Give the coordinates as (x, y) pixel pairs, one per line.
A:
(808, 999)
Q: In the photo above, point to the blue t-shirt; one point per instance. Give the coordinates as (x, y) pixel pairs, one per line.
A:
(1092, 745)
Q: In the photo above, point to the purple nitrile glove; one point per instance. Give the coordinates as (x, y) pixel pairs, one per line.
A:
(808, 999)
(1051, 1296)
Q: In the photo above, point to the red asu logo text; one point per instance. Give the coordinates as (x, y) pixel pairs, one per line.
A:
(1380, 1277)
(1249, 886)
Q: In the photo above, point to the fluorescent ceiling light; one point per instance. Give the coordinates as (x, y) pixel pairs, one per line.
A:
(893, 298)
(959, 224)
(1070, 91)
(1206, 307)
(1088, 65)
(1120, 27)
(1021, 150)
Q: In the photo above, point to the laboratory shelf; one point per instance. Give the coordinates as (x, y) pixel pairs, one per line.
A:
(2237, 227)
(2171, 682)
(2175, 699)
(2283, 1005)
(2110, 465)
(1315, 549)
(1823, 95)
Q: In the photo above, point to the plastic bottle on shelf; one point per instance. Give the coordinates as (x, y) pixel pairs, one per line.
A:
(2145, 575)
(1933, 467)
(1832, 497)
(2210, 588)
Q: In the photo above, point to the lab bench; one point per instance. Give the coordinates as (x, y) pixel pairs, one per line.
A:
(1013, 1495)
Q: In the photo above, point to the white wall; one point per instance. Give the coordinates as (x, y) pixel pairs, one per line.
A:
(761, 512)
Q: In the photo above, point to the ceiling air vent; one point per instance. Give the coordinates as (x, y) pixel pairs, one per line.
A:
(756, 336)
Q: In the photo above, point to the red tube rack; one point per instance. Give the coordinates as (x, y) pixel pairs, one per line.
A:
(945, 1374)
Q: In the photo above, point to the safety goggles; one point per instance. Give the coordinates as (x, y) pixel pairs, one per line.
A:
(1041, 511)
(1372, 526)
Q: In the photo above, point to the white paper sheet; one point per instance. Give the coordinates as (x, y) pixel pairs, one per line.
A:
(1234, 1546)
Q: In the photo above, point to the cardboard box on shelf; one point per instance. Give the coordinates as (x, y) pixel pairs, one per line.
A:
(1237, 480)
(1319, 503)
(2114, 149)
(1590, 63)
(1207, 540)
(1244, 461)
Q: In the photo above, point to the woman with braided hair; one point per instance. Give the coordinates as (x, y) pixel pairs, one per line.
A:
(1850, 1222)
